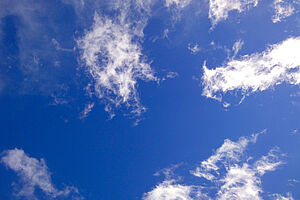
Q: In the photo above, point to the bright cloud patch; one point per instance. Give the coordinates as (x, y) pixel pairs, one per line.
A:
(229, 151)
(256, 72)
(228, 174)
(113, 57)
(243, 181)
(168, 190)
(219, 9)
(33, 174)
(283, 9)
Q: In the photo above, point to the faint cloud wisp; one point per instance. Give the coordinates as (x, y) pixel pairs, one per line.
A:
(34, 174)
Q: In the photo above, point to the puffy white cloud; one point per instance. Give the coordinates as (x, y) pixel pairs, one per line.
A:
(219, 9)
(282, 9)
(33, 174)
(168, 190)
(256, 72)
(113, 57)
(229, 174)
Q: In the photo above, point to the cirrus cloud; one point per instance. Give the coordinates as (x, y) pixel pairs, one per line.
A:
(112, 55)
(228, 174)
(219, 9)
(34, 174)
(282, 9)
(280, 63)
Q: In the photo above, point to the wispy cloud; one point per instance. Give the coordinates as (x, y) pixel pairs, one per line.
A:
(237, 46)
(87, 109)
(228, 174)
(219, 9)
(171, 75)
(230, 152)
(177, 9)
(243, 181)
(282, 10)
(112, 55)
(33, 174)
(177, 3)
(194, 48)
(256, 72)
(282, 197)
(31, 51)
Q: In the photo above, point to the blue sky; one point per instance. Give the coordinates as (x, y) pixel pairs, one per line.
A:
(151, 100)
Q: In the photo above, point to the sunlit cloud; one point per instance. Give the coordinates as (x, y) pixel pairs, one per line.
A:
(282, 10)
(278, 64)
(113, 58)
(168, 190)
(219, 9)
(230, 173)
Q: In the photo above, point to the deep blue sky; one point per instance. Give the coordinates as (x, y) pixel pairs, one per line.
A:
(42, 95)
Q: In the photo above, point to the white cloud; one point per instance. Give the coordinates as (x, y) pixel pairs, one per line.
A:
(282, 9)
(237, 46)
(229, 169)
(294, 132)
(87, 109)
(113, 57)
(219, 9)
(281, 197)
(176, 9)
(230, 152)
(168, 190)
(194, 48)
(243, 181)
(58, 46)
(269, 162)
(33, 174)
(256, 72)
(240, 182)
(171, 75)
(166, 33)
(177, 3)
(229, 174)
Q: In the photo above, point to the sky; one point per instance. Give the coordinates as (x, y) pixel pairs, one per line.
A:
(149, 99)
